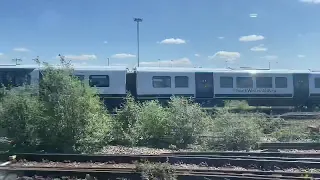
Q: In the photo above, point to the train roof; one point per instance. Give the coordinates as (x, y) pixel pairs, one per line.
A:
(76, 67)
(253, 71)
(165, 69)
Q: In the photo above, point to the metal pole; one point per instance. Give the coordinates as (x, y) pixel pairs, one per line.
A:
(108, 61)
(138, 20)
(269, 65)
(138, 43)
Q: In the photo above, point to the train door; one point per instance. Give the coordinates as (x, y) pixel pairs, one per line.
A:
(301, 87)
(204, 85)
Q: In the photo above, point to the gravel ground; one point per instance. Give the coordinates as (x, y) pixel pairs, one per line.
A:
(70, 165)
(177, 166)
(123, 165)
(133, 150)
(154, 151)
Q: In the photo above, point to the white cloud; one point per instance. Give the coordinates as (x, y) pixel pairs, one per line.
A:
(197, 55)
(259, 48)
(251, 38)
(119, 64)
(311, 1)
(231, 56)
(105, 42)
(270, 57)
(79, 64)
(21, 49)
(1, 54)
(82, 57)
(173, 41)
(182, 62)
(221, 37)
(301, 56)
(123, 56)
(253, 15)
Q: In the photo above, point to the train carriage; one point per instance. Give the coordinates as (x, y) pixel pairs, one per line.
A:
(163, 83)
(212, 86)
(313, 88)
(207, 86)
(15, 76)
(258, 87)
(110, 82)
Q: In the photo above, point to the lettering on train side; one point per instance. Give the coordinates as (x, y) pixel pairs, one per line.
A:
(253, 90)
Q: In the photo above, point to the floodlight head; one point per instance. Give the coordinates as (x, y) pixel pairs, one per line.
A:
(137, 19)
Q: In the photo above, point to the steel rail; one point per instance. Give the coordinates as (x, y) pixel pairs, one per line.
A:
(131, 173)
(246, 162)
(219, 161)
(254, 154)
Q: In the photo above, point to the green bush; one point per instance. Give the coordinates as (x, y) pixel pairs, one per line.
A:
(124, 122)
(67, 117)
(290, 134)
(21, 114)
(153, 125)
(149, 123)
(269, 125)
(154, 171)
(234, 131)
(241, 105)
(188, 121)
(75, 115)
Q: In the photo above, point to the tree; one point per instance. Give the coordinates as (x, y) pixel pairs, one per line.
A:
(66, 116)
(75, 114)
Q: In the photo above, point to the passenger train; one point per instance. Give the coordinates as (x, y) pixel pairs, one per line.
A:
(210, 87)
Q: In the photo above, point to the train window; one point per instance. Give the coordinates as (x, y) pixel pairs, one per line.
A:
(281, 82)
(264, 82)
(244, 82)
(21, 80)
(161, 81)
(99, 80)
(226, 82)
(317, 82)
(14, 79)
(181, 81)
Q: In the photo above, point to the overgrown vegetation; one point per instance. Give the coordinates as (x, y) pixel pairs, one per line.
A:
(154, 171)
(235, 131)
(65, 115)
(150, 124)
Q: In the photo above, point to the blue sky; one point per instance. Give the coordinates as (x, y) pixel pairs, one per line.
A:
(207, 33)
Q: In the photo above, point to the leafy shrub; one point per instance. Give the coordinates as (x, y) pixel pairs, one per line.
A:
(289, 134)
(270, 125)
(21, 114)
(149, 123)
(314, 137)
(67, 116)
(241, 105)
(234, 131)
(124, 121)
(75, 116)
(154, 171)
(187, 122)
(152, 126)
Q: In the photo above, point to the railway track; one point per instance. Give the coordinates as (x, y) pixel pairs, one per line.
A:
(259, 162)
(291, 145)
(131, 173)
(218, 165)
